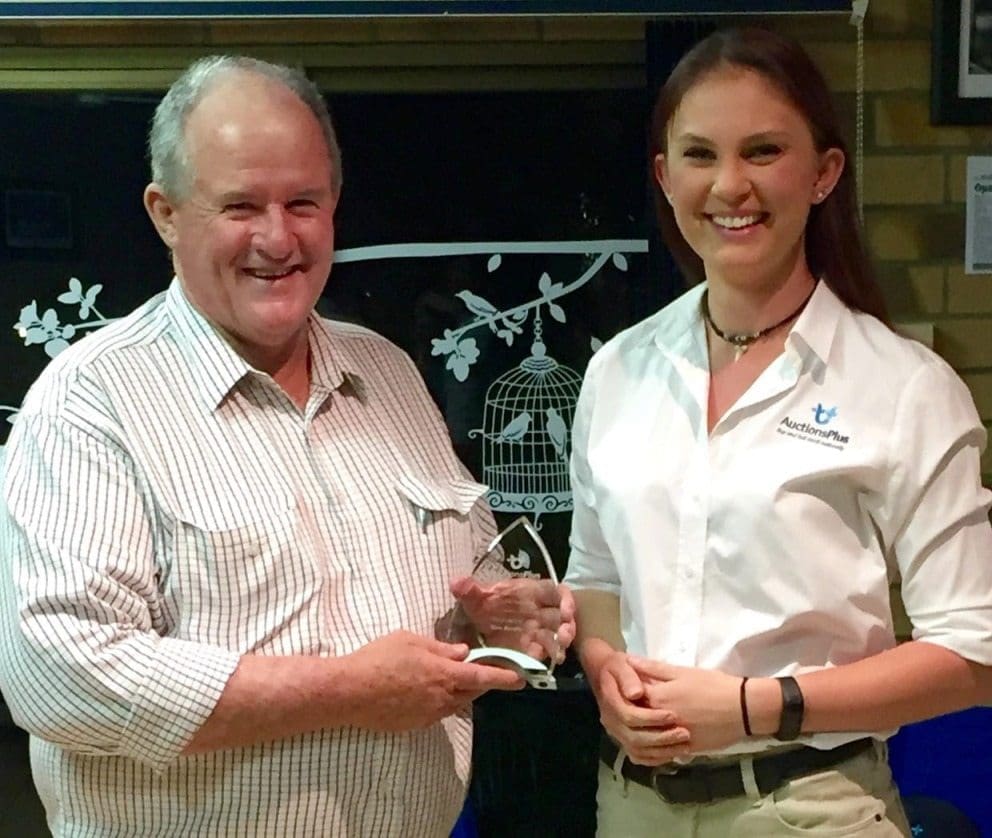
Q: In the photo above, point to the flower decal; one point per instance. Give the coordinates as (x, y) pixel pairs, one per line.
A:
(45, 329)
(462, 353)
(48, 330)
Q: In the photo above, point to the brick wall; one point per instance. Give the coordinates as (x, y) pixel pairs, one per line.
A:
(342, 55)
(914, 172)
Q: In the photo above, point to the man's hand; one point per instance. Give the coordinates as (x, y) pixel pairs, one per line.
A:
(649, 735)
(533, 616)
(704, 701)
(404, 681)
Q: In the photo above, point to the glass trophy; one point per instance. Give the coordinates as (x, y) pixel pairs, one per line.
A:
(511, 615)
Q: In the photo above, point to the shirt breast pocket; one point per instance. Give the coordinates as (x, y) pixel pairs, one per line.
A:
(253, 587)
(442, 538)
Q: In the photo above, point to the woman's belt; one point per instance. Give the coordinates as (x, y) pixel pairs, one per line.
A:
(706, 783)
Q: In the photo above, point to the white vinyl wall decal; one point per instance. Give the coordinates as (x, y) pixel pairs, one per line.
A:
(528, 410)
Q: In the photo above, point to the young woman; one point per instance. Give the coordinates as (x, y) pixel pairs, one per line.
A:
(752, 465)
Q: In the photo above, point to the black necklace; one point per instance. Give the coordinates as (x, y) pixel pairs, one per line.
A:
(742, 342)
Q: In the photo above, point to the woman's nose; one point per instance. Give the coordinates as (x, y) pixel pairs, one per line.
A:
(731, 183)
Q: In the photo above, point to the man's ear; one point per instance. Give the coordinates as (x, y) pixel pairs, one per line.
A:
(162, 212)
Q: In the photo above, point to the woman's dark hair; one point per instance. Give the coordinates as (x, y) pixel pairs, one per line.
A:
(835, 250)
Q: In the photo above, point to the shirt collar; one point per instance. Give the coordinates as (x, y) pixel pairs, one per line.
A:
(218, 368)
(334, 362)
(813, 331)
(683, 330)
(816, 327)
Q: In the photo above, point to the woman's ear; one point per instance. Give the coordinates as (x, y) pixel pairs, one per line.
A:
(661, 175)
(162, 212)
(831, 167)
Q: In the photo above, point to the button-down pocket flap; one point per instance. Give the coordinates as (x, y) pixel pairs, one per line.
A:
(236, 514)
(438, 495)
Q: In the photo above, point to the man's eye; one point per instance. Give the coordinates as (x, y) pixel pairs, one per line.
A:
(303, 204)
(238, 206)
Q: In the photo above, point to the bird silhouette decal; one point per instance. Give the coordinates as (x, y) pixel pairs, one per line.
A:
(557, 430)
(514, 430)
(476, 304)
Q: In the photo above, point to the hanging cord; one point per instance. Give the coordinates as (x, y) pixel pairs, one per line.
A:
(859, 8)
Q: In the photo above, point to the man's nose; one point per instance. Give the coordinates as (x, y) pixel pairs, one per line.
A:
(274, 236)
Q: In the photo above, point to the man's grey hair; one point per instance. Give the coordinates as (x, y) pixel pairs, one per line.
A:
(170, 163)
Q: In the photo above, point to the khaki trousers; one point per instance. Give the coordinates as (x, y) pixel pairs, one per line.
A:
(855, 798)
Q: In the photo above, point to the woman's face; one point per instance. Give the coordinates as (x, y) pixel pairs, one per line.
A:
(741, 172)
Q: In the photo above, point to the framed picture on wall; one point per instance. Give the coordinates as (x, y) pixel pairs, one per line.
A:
(961, 77)
(37, 219)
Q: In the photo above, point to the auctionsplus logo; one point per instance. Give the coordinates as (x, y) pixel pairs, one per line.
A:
(821, 416)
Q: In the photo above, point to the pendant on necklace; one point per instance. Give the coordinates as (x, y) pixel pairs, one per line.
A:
(741, 344)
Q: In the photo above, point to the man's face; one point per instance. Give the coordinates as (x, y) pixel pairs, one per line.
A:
(253, 240)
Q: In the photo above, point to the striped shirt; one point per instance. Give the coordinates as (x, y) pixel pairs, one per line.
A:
(169, 510)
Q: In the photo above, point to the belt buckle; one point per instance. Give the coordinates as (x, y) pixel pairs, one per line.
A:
(668, 770)
(682, 784)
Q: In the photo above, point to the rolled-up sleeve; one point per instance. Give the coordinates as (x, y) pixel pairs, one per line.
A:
(85, 661)
(590, 563)
(936, 515)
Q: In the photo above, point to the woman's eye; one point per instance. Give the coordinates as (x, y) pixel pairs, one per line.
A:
(765, 150)
(698, 153)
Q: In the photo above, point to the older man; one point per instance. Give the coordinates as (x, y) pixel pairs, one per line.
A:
(232, 524)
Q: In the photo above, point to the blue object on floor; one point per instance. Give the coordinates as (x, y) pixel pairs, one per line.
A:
(465, 825)
(933, 818)
(950, 759)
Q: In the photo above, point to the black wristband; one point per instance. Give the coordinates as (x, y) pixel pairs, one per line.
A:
(744, 716)
(791, 722)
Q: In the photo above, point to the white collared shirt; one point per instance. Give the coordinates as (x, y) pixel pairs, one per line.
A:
(170, 509)
(767, 547)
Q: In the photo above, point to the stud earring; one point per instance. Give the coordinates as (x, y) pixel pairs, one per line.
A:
(821, 195)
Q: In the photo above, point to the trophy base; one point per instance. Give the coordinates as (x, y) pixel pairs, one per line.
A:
(530, 669)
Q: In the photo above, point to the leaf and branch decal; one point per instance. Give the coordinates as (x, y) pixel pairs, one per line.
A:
(47, 329)
(462, 352)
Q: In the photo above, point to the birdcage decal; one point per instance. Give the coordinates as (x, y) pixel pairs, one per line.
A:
(526, 423)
